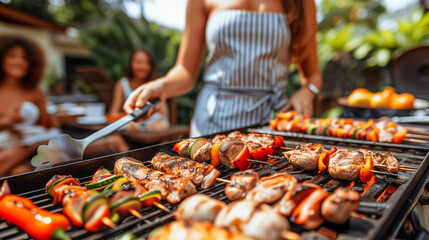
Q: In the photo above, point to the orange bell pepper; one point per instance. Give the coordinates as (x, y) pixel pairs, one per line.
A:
(341, 133)
(391, 125)
(177, 145)
(399, 136)
(214, 154)
(273, 123)
(365, 173)
(314, 147)
(36, 222)
(286, 115)
(323, 161)
(369, 124)
(374, 135)
(309, 207)
(260, 153)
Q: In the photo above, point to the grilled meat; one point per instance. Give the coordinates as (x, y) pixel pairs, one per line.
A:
(179, 230)
(337, 207)
(172, 187)
(304, 157)
(292, 198)
(271, 188)
(385, 159)
(229, 151)
(203, 153)
(241, 183)
(218, 138)
(183, 150)
(199, 207)
(255, 220)
(199, 173)
(345, 164)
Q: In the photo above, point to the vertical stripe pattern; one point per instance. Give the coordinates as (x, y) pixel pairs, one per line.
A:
(245, 71)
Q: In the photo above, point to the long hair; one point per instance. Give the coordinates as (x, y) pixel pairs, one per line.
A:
(153, 67)
(301, 17)
(35, 57)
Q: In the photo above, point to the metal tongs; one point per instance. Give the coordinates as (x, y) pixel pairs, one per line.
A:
(65, 148)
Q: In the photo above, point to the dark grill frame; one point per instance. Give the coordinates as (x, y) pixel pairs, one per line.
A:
(399, 205)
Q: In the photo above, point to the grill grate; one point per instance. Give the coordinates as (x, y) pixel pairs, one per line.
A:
(372, 220)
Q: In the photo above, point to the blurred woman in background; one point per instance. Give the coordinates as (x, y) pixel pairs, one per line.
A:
(251, 44)
(22, 66)
(141, 69)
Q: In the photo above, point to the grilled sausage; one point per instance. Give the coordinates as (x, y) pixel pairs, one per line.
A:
(199, 207)
(337, 207)
(172, 187)
(255, 220)
(241, 183)
(271, 188)
(199, 173)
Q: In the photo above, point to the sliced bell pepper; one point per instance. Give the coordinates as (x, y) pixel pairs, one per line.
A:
(149, 198)
(73, 210)
(60, 192)
(286, 115)
(214, 154)
(303, 127)
(241, 161)
(348, 121)
(373, 135)
(95, 221)
(365, 173)
(65, 181)
(260, 153)
(323, 161)
(117, 185)
(273, 123)
(177, 145)
(400, 136)
(341, 133)
(315, 147)
(391, 125)
(309, 208)
(278, 143)
(36, 222)
(369, 124)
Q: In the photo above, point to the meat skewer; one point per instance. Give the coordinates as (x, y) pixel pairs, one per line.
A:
(172, 187)
(240, 184)
(271, 188)
(199, 173)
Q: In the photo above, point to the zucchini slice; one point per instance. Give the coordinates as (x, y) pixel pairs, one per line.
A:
(103, 183)
(92, 204)
(123, 206)
(195, 145)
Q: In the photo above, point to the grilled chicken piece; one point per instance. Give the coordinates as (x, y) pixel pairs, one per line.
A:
(179, 230)
(183, 150)
(271, 188)
(255, 220)
(228, 152)
(199, 173)
(304, 157)
(337, 207)
(385, 159)
(218, 138)
(53, 180)
(308, 214)
(291, 199)
(172, 187)
(241, 137)
(345, 164)
(266, 140)
(199, 207)
(203, 153)
(241, 183)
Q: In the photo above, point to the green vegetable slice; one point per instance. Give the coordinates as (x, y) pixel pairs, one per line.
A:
(103, 183)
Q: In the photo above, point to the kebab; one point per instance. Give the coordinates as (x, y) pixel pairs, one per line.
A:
(36, 222)
(173, 188)
(202, 150)
(199, 173)
(381, 131)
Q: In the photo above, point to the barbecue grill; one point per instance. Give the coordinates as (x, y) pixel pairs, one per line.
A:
(384, 207)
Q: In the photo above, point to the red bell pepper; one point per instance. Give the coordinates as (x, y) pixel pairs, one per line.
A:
(62, 182)
(365, 173)
(308, 211)
(286, 115)
(278, 143)
(260, 153)
(177, 145)
(36, 222)
(324, 159)
(241, 161)
(60, 192)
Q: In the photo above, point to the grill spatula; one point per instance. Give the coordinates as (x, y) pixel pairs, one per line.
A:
(65, 148)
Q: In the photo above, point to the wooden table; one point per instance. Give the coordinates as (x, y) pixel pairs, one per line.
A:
(145, 137)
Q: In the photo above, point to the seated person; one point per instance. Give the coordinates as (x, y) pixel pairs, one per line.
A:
(141, 69)
(24, 121)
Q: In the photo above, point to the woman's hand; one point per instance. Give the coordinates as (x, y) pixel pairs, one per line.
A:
(144, 93)
(301, 101)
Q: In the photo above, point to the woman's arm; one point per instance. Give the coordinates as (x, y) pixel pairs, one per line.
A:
(118, 99)
(182, 77)
(45, 119)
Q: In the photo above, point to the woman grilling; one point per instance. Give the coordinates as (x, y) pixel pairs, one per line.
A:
(141, 69)
(250, 44)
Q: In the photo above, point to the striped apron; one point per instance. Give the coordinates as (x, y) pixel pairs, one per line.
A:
(246, 70)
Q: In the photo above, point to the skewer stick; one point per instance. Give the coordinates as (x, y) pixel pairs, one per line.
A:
(223, 180)
(135, 213)
(287, 148)
(385, 173)
(108, 222)
(289, 235)
(257, 161)
(400, 167)
(162, 207)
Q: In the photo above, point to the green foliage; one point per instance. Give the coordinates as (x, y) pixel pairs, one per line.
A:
(111, 45)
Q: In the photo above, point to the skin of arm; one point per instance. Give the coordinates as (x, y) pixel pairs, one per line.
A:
(45, 119)
(302, 100)
(118, 99)
(182, 77)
